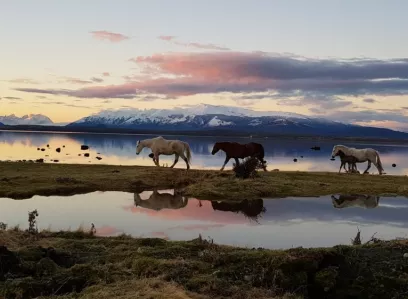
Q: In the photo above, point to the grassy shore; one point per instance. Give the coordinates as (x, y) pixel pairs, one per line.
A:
(23, 180)
(80, 265)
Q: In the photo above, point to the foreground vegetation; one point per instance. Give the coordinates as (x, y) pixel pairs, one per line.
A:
(23, 180)
(81, 265)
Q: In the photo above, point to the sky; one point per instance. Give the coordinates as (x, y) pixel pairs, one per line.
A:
(343, 60)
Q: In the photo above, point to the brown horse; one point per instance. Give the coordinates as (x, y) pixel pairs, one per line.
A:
(237, 151)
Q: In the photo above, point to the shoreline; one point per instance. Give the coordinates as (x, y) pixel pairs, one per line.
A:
(78, 264)
(22, 180)
(198, 134)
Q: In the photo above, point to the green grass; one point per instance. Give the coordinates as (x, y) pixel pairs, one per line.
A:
(78, 265)
(23, 180)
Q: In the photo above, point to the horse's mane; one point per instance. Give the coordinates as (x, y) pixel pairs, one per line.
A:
(348, 151)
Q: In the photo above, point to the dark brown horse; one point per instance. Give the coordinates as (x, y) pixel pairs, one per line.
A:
(237, 151)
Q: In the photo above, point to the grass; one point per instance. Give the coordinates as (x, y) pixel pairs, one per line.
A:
(79, 265)
(24, 180)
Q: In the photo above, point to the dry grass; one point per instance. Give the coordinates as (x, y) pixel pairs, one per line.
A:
(79, 265)
(23, 180)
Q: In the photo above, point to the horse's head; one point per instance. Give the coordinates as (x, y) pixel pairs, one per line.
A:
(139, 147)
(335, 151)
(215, 149)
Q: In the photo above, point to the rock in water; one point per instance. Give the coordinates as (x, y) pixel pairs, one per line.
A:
(84, 147)
(295, 160)
(86, 155)
(394, 165)
(99, 158)
(58, 150)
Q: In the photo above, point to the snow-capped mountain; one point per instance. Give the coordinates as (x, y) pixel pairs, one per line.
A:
(209, 117)
(30, 119)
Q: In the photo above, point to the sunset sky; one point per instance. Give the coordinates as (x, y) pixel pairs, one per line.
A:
(345, 60)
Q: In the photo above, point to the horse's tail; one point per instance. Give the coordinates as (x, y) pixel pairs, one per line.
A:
(262, 153)
(378, 160)
(188, 151)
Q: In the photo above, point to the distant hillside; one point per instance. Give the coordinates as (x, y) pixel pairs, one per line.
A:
(30, 119)
(221, 119)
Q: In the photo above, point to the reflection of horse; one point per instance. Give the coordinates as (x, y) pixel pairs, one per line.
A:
(250, 208)
(161, 146)
(158, 201)
(240, 151)
(362, 155)
(355, 200)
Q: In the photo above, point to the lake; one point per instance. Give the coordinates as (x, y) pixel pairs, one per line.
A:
(120, 150)
(269, 223)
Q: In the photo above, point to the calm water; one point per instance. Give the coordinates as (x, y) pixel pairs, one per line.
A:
(120, 149)
(269, 223)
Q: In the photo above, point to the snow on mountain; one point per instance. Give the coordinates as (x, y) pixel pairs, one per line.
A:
(209, 117)
(216, 122)
(30, 119)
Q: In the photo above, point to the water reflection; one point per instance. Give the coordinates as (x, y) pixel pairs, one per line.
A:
(120, 150)
(159, 201)
(279, 223)
(355, 200)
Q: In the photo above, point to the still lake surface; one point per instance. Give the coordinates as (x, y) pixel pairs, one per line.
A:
(120, 150)
(268, 223)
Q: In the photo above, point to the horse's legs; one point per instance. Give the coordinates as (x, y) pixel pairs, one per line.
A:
(185, 160)
(368, 167)
(156, 160)
(341, 165)
(378, 167)
(175, 160)
(225, 162)
(236, 161)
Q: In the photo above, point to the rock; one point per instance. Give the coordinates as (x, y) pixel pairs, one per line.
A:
(86, 155)
(99, 158)
(295, 160)
(38, 149)
(79, 155)
(394, 165)
(39, 160)
(43, 149)
(315, 148)
(63, 146)
(84, 147)
(56, 161)
(58, 150)
(48, 145)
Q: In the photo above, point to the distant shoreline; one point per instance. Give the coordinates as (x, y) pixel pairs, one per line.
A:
(201, 134)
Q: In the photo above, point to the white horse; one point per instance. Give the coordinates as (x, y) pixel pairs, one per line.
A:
(161, 146)
(362, 155)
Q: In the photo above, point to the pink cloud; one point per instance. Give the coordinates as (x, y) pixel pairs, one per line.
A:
(167, 37)
(183, 74)
(106, 74)
(109, 36)
(172, 39)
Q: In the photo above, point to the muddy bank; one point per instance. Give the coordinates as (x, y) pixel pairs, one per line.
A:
(24, 180)
(79, 265)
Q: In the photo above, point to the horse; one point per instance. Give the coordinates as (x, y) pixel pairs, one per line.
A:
(161, 146)
(355, 200)
(158, 201)
(350, 160)
(362, 155)
(236, 150)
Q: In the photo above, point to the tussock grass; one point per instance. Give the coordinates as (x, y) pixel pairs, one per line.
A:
(23, 180)
(79, 265)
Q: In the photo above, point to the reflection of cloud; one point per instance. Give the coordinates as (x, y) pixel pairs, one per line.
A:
(193, 212)
(198, 226)
(107, 231)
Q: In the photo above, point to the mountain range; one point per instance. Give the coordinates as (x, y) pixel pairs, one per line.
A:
(30, 119)
(210, 118)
